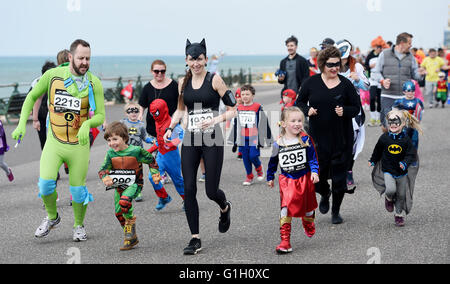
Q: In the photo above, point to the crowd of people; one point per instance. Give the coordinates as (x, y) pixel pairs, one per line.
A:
(322, 132)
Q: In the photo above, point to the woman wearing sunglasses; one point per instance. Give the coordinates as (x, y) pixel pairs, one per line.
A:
(160, 87)
(330, 101)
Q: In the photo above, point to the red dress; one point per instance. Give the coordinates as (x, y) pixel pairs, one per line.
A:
(297, 162)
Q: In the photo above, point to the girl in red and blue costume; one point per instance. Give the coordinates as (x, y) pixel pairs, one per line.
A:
(295, 153)
(250, 128)
(168, 157)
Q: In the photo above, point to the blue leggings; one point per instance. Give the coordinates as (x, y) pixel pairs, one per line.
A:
(250, 156)
(170, 163)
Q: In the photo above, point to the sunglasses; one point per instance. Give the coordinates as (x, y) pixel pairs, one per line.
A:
(331, 65)
(159, 71)
(132, 110)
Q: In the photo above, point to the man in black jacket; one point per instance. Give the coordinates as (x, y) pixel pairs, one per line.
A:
(294, 67)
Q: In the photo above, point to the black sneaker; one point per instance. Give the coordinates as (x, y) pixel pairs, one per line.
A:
(324, 204)
(195, 245)
(225, 219)
(336, 219)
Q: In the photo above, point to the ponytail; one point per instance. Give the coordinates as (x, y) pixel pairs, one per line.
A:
(413, 122)
(185, 81)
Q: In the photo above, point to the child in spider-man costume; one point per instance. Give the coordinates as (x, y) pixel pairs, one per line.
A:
(168, 157)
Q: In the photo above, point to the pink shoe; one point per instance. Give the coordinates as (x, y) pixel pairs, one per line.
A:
(10, 175)
(399, 221)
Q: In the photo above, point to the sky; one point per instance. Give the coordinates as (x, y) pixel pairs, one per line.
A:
(236, 27)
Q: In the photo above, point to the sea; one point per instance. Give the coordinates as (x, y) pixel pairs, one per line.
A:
(24, 70)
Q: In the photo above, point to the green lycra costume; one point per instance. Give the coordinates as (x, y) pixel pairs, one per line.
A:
(68, 134)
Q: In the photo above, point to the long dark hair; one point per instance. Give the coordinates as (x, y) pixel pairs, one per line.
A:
(187, 77)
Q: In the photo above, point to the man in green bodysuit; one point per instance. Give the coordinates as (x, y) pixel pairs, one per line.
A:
(72, 91)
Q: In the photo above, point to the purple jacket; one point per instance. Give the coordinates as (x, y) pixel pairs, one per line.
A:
(3, 145)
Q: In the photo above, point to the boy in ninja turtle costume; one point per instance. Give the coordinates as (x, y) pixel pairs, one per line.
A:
(72, 91)
(121, 170)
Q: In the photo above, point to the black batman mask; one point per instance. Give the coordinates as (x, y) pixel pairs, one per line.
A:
(397, 121)
(195, 49)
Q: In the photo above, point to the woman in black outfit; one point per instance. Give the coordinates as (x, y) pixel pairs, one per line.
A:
(160, 87)
(200, 93)
(330, 101)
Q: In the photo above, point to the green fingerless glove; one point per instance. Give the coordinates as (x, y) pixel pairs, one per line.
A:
(18, 132)
(83, 133)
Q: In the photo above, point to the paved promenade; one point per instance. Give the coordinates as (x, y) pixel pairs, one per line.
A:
(368, 233)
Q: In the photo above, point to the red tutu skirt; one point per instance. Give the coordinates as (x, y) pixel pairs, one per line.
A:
(298, 195)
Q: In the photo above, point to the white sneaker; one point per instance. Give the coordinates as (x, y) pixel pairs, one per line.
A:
(79, 234)
(372, 123)
(260, 177)
(46, 226)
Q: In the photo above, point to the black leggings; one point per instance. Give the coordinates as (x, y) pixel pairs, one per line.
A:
(43, 132)
(375, 98)
(190, 160)
(337, 173)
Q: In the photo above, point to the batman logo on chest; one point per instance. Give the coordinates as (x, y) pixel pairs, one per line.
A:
(395, 149)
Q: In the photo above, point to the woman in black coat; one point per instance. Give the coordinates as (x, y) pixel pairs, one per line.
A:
(330, 101)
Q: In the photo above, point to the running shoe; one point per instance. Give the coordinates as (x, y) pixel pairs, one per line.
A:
(46, 226)
(163, 202)
(194, 246)
(202, 178)
(249, 180)
(324, 204)
(378, 122)
(389, 205)
(139, 197)
(79, 234)
(10, 175)
(260, 173)
(399, 221)
(225, 219)
(336, 218)
(372, 122)
(239, 157)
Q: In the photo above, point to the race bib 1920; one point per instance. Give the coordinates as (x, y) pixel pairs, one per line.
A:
(292, 158)
(196, 117)
(65, 102)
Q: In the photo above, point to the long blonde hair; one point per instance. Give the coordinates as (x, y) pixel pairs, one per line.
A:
(406, 118)
(285, 115)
